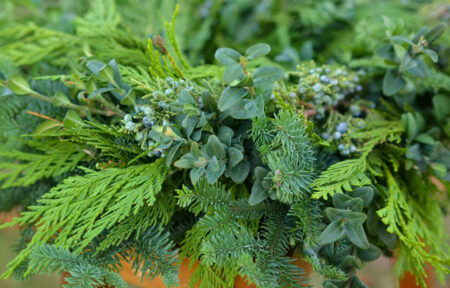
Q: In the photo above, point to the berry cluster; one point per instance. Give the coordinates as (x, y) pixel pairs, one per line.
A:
(327, 85)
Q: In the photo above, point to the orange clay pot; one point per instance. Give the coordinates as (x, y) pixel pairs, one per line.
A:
(6, 217)
(409, 281)
(185, 273)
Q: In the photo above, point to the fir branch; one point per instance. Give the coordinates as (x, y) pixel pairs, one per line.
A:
(204, 197)
(153, 253)
(84, 273)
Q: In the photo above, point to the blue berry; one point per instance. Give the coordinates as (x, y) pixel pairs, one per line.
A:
(342, 127)
(346, 151)
(201, 106)
(127, 118)
(324, 79)
(302, 90)
(147, 110)
(337, 135)
(352, 148)
(341, 147)
(168, 91)
(157, 154)
(317, 87)
(147, 122)
(292, 95)
(156, 94)
(334, 82)
(130, 126)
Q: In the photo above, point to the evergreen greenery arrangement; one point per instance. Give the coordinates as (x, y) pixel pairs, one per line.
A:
(199, 141)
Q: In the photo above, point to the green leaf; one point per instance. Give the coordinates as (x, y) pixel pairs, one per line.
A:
(255, 107)
(61, 100)
(234, 72)
(257, 50)
(435, 32)
(240, 172)
(214, 148)
(365, 193)
(48, 127)
(196, 173)
(235, 156)
(186, 161)
(355, 233)
(433, 55)
(230, 97)
(214, 170)
(95, 66)
(393, 82)
(267, 75)
(370, 254)
(129, 99)
(19, 85)
(227, 56)
(425, 138)
(356, 283)
(73, 119)
(439, 169)
(385, 52)
(334, 231)
(441, 104)
(174, 152)
(258, 194)
(410, 124)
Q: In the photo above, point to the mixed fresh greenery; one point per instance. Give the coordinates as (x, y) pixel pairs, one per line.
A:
(120, 143)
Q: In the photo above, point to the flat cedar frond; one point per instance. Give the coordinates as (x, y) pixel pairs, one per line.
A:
(30, 44)
(156, 215)
(409, 228)
(25, 168)
(344, 175)
(101, 19)
(341, 177)
(82, 207)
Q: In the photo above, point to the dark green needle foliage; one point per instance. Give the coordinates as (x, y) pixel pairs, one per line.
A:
(128, 138)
